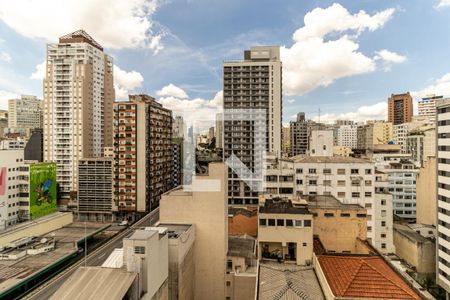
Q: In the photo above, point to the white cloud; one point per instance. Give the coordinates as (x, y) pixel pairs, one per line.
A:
(290, 101)
(335, 19)
(125, 82)
(5, 96)
(312, 61)
(389, 56)
(199, 112)
(443, 3)
(439, 87)
(172, 90)
(376, 111)
(4, 56)
(114, 24)
(39, 73)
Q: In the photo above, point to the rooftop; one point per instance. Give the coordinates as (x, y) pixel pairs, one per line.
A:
(142, 234)
(364, 277)
(278, 206)
(96, 283)
(330, 202)
(242, 211)
(175, 230)
(332, 160)
(410, 233)
(241, 246)
(288, 281)
(80, 36)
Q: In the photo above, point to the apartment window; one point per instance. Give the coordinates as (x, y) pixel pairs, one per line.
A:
(383, 202)
(354, 171)
(299, 171)
(289, 223)
(368, 205)
(383, 223)
(312, 171)
(305, 244)
(368, 171)
(228, 284)
(368, 194)
(280, 222)
(299, 181)
(341, 194)
(327, 182)
(383, 245)
(328, 215)
(263, 222)
(341, 183)
(361, 215)
(298, 223)
(369, 228)
(355, 194)
(271, 222)
(313, 182)
(326, 171)
(355, 183)
(341, 171)
(139, 250)
(307, 223)
(368, 183)
(345, 215)
(383, 235)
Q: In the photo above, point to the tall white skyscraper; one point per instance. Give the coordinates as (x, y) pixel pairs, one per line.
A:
(78, 98)
(427, 106)
(251, 84)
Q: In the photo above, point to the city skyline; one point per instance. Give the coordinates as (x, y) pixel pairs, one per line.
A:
(155, 39)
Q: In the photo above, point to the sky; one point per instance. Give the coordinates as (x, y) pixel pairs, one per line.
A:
(343, 58)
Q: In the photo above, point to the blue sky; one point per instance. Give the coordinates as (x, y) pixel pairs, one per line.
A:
(342, 60)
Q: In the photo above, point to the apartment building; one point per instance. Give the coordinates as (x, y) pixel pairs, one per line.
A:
(298, 135)
(279, 178)
(426, 204)
(95, 189)
(347, 136)
(383, 218)
(177, 162)
(374, 133)
(143, 157)
(205, 207)
(27, 189)
(443, 195)
(427, 107)
(286, 141)
(285, 232)
(402, 185)
(351, 180)
(219, 130)
(421, 143)
(178, 127)
(78, 98)
(400, 108)
(254, 83)
(24, 113)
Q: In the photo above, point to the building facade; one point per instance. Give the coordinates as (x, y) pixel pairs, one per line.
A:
(251, 84)
(400, 108)
(347, 136)
(443, 195)
(321, 143)
(427, 107)
(298, 135)
(95, 189)
(25, 113)
(143, 154)
(78, 98)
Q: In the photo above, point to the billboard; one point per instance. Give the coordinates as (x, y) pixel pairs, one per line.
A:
(42, 189)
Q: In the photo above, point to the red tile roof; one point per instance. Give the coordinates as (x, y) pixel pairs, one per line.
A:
(364, 277)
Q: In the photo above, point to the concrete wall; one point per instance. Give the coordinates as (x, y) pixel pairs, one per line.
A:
(240, 225)
(326, 289)
(36, 228)
(420, 254)
(426, 193)
(208, 211)
(339, 233)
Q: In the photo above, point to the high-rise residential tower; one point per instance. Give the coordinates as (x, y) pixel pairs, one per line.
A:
(299, 135)
(78, 98)
(251, 84)
(143, 154)
(427, 107)
(443, 195)
(25, 113)
(400, 108)
(219, 130)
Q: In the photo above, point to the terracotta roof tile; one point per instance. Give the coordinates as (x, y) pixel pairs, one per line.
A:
(364, 277)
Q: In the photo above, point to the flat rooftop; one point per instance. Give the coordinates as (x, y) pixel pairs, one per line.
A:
(12, 272)
(410, 233)
(142, 234)
(332, 160)
(288, 281)
(279, 206)
(329, 202)
(175, 230)
(96, 283)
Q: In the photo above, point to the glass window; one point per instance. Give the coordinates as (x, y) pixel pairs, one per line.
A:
(263, 222)
(271, 222)
(289, 223)
(307, 223)
(298, 223)
(280, 222)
